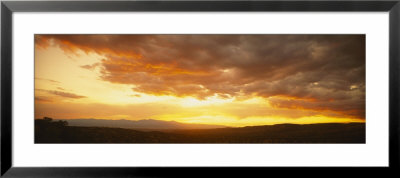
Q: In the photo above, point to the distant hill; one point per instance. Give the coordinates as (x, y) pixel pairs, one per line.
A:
(59, 132)
(147, 124)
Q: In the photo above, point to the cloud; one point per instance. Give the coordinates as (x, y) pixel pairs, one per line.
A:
(66, 94)
(49, 80)
(91, 67)
(63, 94)
(315, 72)
(42, 99)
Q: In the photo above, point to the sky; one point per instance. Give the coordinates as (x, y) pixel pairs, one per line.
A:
(231, 80)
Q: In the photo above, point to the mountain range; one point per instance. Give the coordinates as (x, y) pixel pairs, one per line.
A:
(146, 124)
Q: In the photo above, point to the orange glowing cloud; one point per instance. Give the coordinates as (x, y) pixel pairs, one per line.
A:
(310, 72)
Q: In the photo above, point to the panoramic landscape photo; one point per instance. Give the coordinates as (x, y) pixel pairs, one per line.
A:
(199, 88)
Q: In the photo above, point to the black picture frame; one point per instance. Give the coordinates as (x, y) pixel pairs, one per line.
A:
(8, 7)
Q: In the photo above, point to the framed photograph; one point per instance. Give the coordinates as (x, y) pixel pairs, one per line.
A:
(154, 88)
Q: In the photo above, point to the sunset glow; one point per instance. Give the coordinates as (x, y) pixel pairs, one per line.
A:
(231, 80)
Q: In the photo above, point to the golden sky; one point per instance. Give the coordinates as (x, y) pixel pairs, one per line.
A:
(232, 80)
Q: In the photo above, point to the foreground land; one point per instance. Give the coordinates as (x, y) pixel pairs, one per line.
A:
(59, 132)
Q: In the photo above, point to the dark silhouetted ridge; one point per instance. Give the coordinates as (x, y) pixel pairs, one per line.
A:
(147, 124)
(49, 131)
